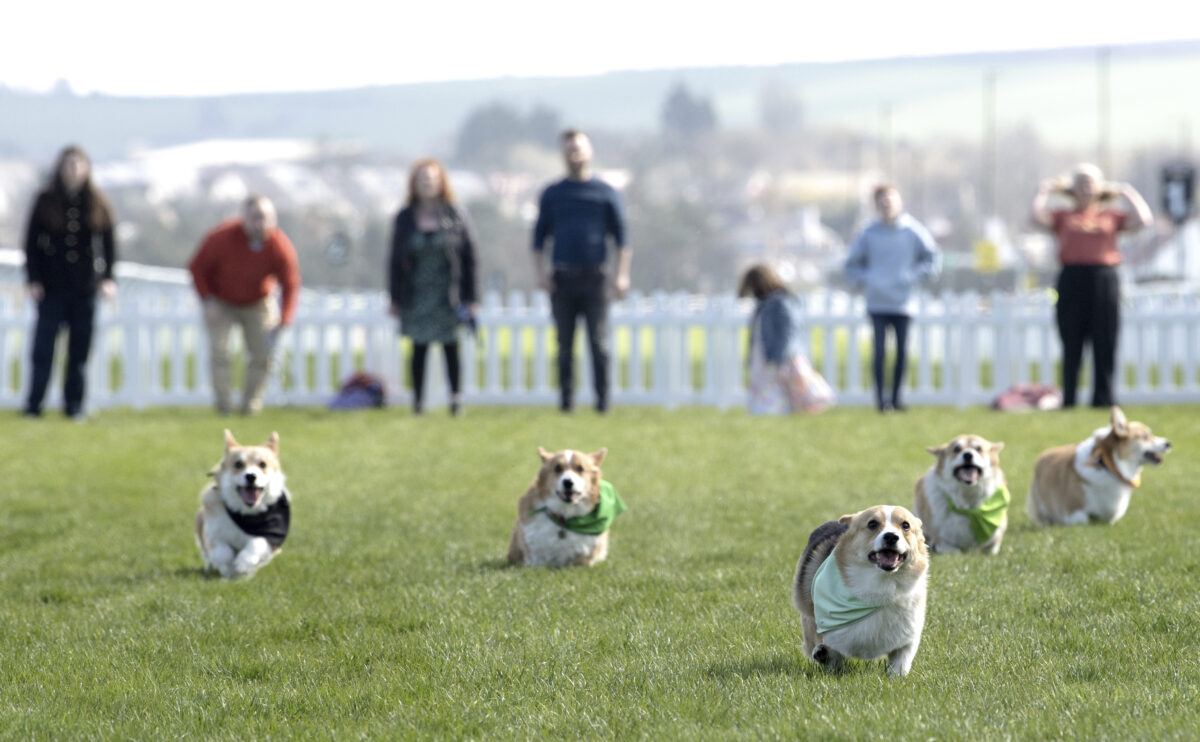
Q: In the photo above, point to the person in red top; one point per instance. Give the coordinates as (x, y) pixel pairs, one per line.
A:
(235, 270)
(1089, 288)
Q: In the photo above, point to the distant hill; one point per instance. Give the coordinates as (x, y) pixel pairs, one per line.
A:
(1151, 89)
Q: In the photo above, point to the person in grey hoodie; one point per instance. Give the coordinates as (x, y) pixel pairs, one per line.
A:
(887, 260)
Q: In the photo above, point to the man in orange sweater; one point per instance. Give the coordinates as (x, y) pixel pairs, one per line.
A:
(235, 271)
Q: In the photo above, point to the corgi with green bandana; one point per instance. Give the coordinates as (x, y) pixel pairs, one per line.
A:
(564, 518)
(963, 498)
(860, 589)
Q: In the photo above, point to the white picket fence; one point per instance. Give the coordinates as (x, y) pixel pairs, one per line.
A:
(669, 349)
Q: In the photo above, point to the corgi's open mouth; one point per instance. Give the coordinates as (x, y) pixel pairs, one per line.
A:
(250, 494)
(887, 559)
(567, 496)
(1152, 458)
(968, 474)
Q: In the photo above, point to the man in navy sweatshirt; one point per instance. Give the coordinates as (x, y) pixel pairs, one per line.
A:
(581, 215)
(887, 260)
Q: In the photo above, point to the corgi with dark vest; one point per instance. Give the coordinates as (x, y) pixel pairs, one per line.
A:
(245, 513)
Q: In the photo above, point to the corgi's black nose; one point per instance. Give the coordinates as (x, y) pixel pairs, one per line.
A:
(250, 477)
(568, 484)
(967, 457)
(890, 539)
(1168, 448)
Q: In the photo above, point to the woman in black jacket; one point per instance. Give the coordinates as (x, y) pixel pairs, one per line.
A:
(432, 274)
(69, 255)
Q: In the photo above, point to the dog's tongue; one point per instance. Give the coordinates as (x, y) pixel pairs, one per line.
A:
(886, 559)
(250, 495)
(968, 474)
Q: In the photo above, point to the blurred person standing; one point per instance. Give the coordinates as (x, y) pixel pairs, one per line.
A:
(581, 215)
(432, 275)
(887, 260)
(69, 256)
(782, 380)
(235, 271)
(1088, 308)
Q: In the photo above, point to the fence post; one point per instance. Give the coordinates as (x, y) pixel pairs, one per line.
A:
(540, 308)
(132, 385)
(637, 377)
(1004, 353)
(14, 321)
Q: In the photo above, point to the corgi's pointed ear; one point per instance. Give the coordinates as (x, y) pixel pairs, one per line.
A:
(599, 456)
(273, 443)
(845, 519)
(1120, 425)
(998, 446)
(935, 450)
(229, 441)
(546, 455)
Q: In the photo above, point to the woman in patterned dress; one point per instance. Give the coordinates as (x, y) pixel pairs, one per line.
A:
(432, 275)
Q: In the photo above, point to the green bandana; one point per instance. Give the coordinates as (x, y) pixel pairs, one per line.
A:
(833, 604)
(986, 518)
(596, 522)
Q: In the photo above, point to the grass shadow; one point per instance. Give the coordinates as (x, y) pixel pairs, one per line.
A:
(494, 565)
(195, 573)
(792, 665)
(780, 663)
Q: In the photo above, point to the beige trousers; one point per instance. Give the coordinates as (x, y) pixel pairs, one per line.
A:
(258, 322)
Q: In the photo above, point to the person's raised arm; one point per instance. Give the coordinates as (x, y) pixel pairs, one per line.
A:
(1139, 214)
(1041, 210)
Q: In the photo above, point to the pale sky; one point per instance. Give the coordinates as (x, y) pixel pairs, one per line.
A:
(151, 47)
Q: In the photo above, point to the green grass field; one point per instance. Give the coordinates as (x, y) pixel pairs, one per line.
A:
(390, 613)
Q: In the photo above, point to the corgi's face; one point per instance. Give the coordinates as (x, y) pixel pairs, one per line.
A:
(967, 459)
(1132, 442)
(887, 537)
(571, 477)
(249, 477)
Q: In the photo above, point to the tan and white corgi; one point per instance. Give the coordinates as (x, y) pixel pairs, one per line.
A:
(245, 513)
(1093, 480)
(564, 516)
(963, 499)
(860, 588)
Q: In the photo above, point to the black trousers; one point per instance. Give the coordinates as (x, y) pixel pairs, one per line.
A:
(1089, 310)
(453, 370)
(899, 324)
(77, 311)
(575, 294)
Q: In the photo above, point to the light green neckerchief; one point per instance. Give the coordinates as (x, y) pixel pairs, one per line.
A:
(833, 604)
(599, 519)
(986, 518)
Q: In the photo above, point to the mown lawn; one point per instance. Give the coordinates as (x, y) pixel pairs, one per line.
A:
(390, 614)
